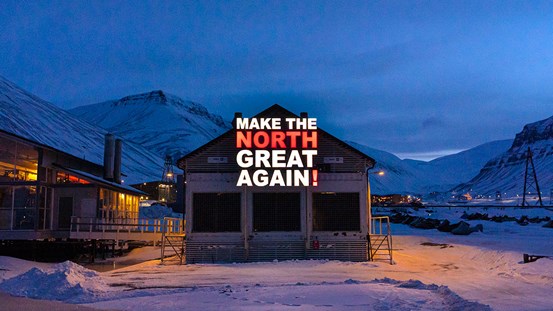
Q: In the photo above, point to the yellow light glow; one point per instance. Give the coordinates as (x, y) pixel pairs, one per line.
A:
(381, 173)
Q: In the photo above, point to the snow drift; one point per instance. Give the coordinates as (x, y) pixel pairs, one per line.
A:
(66, 281)
(157, 211)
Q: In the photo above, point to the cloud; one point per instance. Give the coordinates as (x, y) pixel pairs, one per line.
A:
(433, 123)
(427, 156)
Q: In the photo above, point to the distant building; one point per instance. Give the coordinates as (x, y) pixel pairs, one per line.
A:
(150, 188)
(153, 190)
(390, 199)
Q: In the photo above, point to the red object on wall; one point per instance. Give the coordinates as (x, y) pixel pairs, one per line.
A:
(316, 244)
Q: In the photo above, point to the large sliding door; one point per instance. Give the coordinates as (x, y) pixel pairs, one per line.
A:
(336, 211)
(216, 212)
(276, 212)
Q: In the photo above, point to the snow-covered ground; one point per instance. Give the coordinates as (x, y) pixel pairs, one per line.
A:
(476, 272)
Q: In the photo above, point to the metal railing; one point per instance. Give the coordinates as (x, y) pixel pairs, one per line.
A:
(380, 238)
(127, 225)
(173, 242)
(377, 226)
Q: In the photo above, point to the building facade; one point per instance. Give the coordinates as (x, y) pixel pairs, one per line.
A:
(42, 190)
(229, 219)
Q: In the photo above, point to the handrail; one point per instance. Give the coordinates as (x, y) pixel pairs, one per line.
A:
(382, 237)
(142, 225)
(377, 224)
(169, 234)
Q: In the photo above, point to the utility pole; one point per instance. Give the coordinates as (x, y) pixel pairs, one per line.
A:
(530, 180)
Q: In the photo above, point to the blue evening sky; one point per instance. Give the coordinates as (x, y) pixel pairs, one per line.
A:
(416, 78)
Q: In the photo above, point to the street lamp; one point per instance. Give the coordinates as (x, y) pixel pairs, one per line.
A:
(369, 206)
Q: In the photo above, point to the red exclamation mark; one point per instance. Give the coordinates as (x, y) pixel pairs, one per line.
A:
(315, 178)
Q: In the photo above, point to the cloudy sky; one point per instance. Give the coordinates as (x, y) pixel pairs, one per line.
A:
(416, 78)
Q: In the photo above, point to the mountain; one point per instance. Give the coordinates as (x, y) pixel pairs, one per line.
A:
(167, 124)
(30, 117)
(446, 172)
(505, 172)
(441, 174)
(399, 176)
(161, 122)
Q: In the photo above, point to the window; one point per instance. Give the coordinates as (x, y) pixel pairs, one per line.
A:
(18, 161)
(216, 212)
(115, 206)
(336, 211)
(276, 212)
(24, 207)
(44, 212)
(64, 178)
(6, 194)
(18, 207)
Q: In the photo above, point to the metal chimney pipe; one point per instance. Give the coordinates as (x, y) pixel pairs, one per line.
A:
(109, 146)
(117, 161)
(236, 116)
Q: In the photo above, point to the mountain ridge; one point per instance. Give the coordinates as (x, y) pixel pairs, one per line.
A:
(33, 118)
(438, 175)
(160, 121)
(505, 173)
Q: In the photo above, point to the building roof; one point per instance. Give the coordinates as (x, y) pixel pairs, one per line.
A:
(275, 110)
(102, 182)
(44, 146)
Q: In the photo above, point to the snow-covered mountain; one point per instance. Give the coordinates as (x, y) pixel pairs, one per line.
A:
(399, 176)
(167, 124)
(441, 174)
(161, 122)
(444, 173)
(505, 172)
(28, 116)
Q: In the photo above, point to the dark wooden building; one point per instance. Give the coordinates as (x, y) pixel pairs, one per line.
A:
(226, 222)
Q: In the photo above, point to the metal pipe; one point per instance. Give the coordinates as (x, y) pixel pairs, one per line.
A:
(109, 146)
(117, 161)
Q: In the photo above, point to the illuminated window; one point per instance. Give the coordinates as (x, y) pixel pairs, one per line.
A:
(18, 161)
(64, 178)
(115, 205)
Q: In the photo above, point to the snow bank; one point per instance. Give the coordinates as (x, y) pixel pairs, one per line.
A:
(451, 300)
(351, 294)
(66, 281)
(10, 267)
(158, 211)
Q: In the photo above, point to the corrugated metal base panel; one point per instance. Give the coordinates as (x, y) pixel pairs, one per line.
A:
(213, 252)
(280, 250)
(340, 250)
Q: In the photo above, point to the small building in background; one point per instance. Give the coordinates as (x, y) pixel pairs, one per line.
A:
(164, 191)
